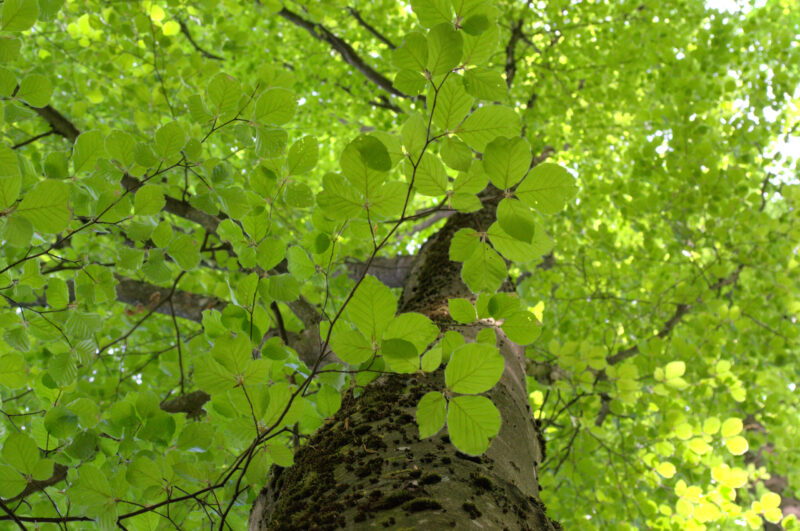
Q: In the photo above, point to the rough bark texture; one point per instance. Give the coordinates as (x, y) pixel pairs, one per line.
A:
(368, 469)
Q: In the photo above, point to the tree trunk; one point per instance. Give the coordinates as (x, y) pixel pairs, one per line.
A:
(367, 467)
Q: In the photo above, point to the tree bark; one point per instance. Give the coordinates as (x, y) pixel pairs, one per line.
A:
(367, 468)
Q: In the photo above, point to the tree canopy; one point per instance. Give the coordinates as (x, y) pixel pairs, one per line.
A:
(210, 214)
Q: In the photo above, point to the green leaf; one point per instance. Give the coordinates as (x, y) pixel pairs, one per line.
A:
(737, 445)
(430, 178)
(88, 147)
(338, 199)
(522, 328)
(674, 369)
(474, 368)
(279, 396)
(185, 250)
(271, 142)
(18, 232)
(516, 219)
(275, 106)
(372, 307)
(162, 235)
(57, 293)
(11, 482)
(121, 147)
(269, 253)
(414, 135)
(484, 271)
(47, 206)
(169, 140)
(398, 349)
(13, 371)
(450, 103)
(303, 155)
(462, 310)
(431, 359)
(432, 12)
(431, 414)
(413, 327)
(35, 90)
(8, 82)
(233, 353)
(280, 454)
(9, 49)
(284, 288)
(516, 250)
(732, 426)
(444, 49)
(502, 305)
(485, 84)
(9, 186)
(351, 347)
(457, 155)
(412, 83)
(60, 422)
(9, 167)
(364, 162)
(223, 93)
(92, 489)
(21, 452)
(412, 54)
(464, 244)
(299, 264)
(83, 325)
(506, 160)
(149, 200)
(479, 49)
(486, 124)
(547, 188)
(299, 195)
(18, 15)
(472, 422)
(328, 400)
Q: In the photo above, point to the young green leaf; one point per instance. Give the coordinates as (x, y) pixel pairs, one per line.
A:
(18, 15)
(522, 328)
(472, 422)
(149, 200)
(413, 54)
(35, 90)
(275, 106)
(547, 188)
(444, 49)
(431, 414)
(351, 347)
(222, 95)
(506, 160)
(432, 12)
(47, 206)
(372, 308)
(486, 124)
(450, 103)
(474, 368)
(461, 310)
(485, 270)
(303, 155)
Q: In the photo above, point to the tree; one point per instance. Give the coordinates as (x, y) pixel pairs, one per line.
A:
(358, 264)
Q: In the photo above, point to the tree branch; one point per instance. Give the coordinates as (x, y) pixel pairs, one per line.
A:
(33, 139)
(204, 53)
(349, 55)
(187, 305)
(62, 126)
(356, 15)
(390, 271)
